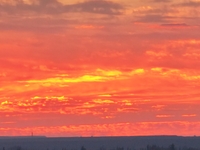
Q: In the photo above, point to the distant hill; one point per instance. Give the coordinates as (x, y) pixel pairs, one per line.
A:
(21, 137)
(99, 143)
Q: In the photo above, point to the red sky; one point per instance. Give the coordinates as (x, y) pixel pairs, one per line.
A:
(99, 67)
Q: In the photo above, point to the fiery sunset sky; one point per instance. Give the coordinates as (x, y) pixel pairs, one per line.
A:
(99, 67)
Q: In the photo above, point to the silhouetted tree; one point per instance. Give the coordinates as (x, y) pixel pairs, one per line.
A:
(102, 148)
(83, 148)
(172, 147)
(120, 148)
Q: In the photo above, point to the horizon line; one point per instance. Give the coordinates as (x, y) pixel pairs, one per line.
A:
(43, 136)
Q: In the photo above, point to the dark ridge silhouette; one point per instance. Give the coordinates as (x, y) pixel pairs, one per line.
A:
(21, 137)
(100, 143)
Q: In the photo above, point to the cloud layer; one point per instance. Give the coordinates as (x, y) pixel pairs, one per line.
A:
(96, 64)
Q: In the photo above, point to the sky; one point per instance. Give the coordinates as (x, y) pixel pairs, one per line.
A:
(99, 67)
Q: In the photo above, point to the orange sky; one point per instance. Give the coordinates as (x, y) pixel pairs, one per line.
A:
(98, 67)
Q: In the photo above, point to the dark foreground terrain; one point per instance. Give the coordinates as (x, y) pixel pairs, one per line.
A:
(101, 143)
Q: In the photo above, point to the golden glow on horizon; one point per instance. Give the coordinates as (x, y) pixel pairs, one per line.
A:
(141, 128)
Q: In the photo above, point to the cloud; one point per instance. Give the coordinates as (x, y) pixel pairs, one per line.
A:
(153, 18)
(51, 16)
(98, 6)
(164, 116)
(161, 1)
(190, 4)
(55, 7)
(189, 115)
(175, 24)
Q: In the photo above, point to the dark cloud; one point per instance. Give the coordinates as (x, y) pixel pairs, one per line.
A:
(161, 1)
(55, 7)
(153, 18)
(51, 6)
(154, 14)
(190, 4)
(175, 25)
(39, 16)
(102, 7)
(47, 25)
